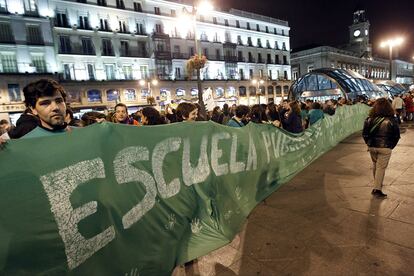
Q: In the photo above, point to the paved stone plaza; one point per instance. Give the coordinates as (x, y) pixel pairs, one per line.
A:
(325, 221)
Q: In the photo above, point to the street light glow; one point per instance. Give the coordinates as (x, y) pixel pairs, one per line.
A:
(205, 6)
(142, 82)
(254, 81)
(154, 82)
(392, 42)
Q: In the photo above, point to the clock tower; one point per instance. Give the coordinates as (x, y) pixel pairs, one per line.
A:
(359, 34)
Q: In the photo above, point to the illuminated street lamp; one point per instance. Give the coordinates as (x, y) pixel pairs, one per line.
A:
(203, 7)
(258, 83)
(391, 43)
(149, 84)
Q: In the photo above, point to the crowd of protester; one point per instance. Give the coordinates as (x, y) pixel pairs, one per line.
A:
(47, 113)
(292, 116)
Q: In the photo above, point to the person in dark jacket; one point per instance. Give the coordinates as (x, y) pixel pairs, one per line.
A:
(293, 121)
(26, 123)
(381, 133)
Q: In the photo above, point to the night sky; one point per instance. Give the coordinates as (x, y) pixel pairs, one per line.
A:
(326, 22)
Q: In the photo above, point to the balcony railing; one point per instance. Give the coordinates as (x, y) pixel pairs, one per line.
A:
(180, 56)
(230, 58)
(108, 53)
(215, 57)
(38, 41)
(77, 51)
(7, 40)
(162, 54)
(134, 53)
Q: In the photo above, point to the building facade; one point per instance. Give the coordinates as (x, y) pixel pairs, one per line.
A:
(330, 57)
(100, 49)
(356, 56)
(402, 72)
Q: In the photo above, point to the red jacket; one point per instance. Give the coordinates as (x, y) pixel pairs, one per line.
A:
(409, 106)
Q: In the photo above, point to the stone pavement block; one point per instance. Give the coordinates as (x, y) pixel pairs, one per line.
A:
(396, 232)
(404, 212)
(325, 261)
(302, 200)
(373, 206)
(247, 267)
(261, 243)
(403, 191)
(384, 258)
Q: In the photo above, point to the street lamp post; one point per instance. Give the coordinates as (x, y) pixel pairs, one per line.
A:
(391, 43)
(149, 84)
(258, 83)
(204, 7)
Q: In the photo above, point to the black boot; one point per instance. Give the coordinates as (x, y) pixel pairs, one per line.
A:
(378, 194)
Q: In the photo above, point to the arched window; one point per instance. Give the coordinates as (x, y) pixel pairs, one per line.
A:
(252, 91)
(242, 91)
(94, 95)
(112, 95)
(194, 92)
(73, 97)
(219, 92)
(144, 93)
(270, 90)
(231, 91)
(180, 92)
(130, 94)
(262, 90)
(285, 89)
(278, 90)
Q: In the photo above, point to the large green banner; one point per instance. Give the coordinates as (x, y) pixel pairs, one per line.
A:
(120, 200)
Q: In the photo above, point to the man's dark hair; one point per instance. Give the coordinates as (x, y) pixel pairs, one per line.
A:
(41, 88)
(241, 111)
(184, 109)
(123, 105)
(4, 122)
(153, 116)
(90, 117)
(316, 105)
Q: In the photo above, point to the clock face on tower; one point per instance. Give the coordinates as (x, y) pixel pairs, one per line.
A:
(357, 33)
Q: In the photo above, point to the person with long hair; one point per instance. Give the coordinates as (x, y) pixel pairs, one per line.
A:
(258, 114)
(186, 112)
(293, 121)
(381, 134)
(150, 117)
(217, 115)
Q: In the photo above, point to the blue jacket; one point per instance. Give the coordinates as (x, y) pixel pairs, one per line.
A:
(315, 115)
(233, 123)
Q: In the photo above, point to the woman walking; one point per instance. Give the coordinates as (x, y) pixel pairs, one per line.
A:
(381, 133)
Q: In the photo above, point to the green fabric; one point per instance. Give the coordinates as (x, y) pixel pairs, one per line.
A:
(121, 200)
(41, 132)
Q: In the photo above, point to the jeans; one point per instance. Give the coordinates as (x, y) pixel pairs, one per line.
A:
(380, 158)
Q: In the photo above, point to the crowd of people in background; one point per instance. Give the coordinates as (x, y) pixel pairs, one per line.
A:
(47, 114)
(292, 116)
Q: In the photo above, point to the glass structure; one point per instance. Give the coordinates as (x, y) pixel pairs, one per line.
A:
(331, 83)
(392, 88)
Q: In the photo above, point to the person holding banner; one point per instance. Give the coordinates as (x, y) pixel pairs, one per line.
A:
(241, 113)
(47, 101)
(186, 112)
